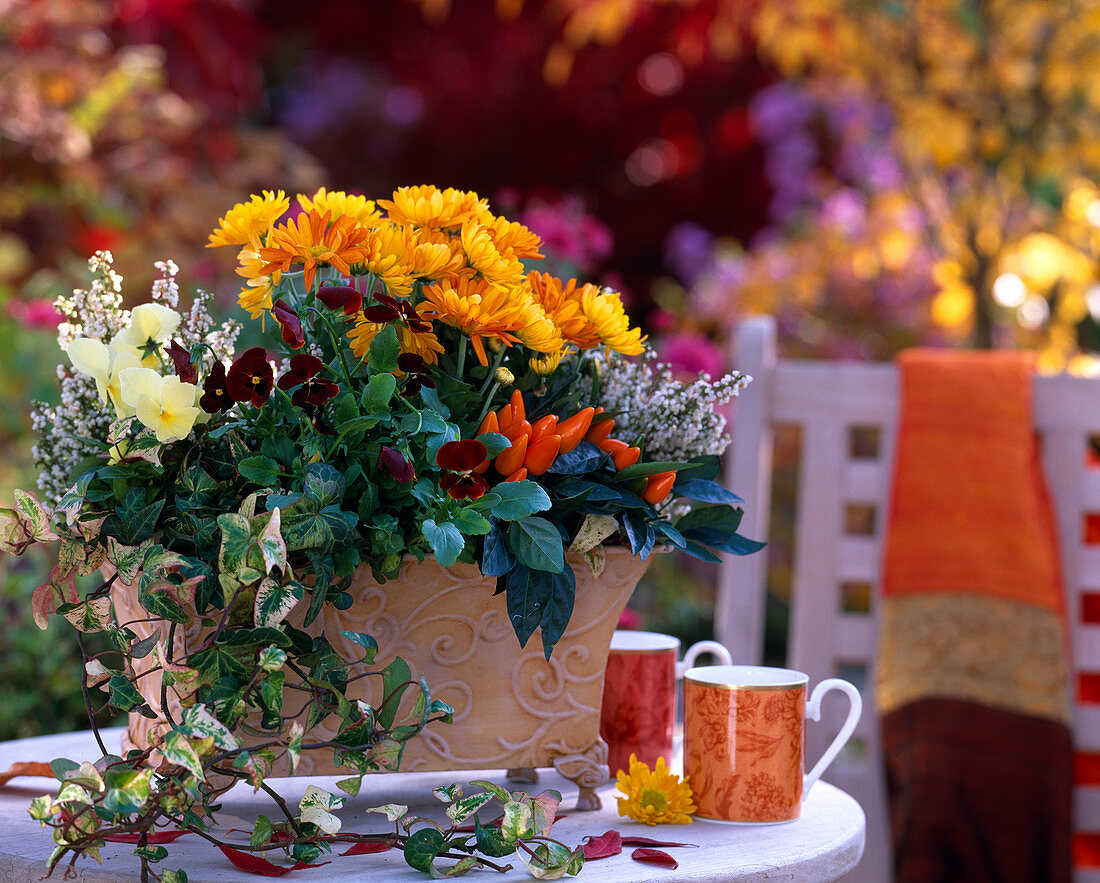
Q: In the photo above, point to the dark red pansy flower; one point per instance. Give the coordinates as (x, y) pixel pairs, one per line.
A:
(181, 358)
(461, 458)
(386, 309)
(312, 391)
(412, 366)
(464, 486)
(251, 377)
(396, 465)
(215, 395)
(341, 297)
(290, 324)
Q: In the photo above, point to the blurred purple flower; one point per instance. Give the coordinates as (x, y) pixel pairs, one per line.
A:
(688, 250)
(688, 353)
(35, 314)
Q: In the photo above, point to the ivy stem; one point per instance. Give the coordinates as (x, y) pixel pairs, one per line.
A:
(86, 695)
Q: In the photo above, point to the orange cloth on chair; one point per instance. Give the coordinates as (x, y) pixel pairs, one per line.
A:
(970, 511)
(972, 668)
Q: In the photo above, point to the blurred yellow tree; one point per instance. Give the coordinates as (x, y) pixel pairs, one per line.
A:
(996, 111)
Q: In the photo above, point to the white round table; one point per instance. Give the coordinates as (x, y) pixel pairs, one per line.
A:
(823, 845)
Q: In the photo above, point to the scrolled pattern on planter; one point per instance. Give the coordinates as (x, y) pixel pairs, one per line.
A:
(513, 709)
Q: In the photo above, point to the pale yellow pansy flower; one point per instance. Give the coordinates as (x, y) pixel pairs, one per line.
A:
(150, 326)
(164, 404)
(103, 364)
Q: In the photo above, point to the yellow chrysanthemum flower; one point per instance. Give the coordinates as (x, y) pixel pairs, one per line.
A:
(313, 239)
(256, 296)
(562, 303)
(428, 206)
(388, 254)
(483, 256)
(654, 798)
(247, 222)
(537, 331)
(424, 344)
(362, 210)
(548, 364)
(604, 312)
(476, 308)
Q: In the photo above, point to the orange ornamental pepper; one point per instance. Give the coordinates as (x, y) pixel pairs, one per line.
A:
(504, 418)
(518, 410)
(572, 430)
(541, 454)
(519, 475)
(612, 445)
(544, 426)
(516, 429)
(482, 467)
(490, 423)
(600, 430)
(658, 487)
(509, 461)
(627, 458)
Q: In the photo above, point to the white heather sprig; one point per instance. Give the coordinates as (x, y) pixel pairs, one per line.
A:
(676, 420)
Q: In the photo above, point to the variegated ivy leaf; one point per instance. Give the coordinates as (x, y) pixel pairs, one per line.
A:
(544, 808)
(159, 562)
(73, 499)
(552, 861)
(71, 793)
(462, 866)
(248, 507)
(593, 530)
(198, 721)
(92, 615)
(177, 749)
(272, 545)
(85, 775)
(50, 595)
(516, 823)
(129, 444)
(294, 744)
(274, 600)
(316, 806)
(448, 793)
(34, 515)
(596, 559)
(461, 810)
(43, 808)
(95, 555)
(271, 659)
(70, 555)
(97, 672)
(350, 786)
(494, 789)
(392, 811)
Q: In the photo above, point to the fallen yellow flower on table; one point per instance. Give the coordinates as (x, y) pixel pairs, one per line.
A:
(654, 798)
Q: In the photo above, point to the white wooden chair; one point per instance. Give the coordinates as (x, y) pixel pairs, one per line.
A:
(833, 631)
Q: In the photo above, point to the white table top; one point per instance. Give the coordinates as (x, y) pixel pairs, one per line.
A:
(823, 845)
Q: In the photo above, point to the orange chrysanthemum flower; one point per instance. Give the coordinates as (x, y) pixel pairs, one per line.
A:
(484, 257)
(424, 344)
(428, 206)
(537, 330)
(361, 209)
(476, 308)
(312, 240)
(604, 311)
(562, 303)
(247, 222)
(512, 237)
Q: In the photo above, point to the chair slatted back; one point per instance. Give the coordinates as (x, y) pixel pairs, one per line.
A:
(846, 417)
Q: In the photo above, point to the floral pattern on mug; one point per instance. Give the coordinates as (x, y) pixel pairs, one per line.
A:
(639, 707)
(744, 750)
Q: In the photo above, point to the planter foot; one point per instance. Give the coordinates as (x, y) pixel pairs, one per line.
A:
(523, 774)
(588, 771)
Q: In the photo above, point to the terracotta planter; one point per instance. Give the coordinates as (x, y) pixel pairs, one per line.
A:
(513, 709)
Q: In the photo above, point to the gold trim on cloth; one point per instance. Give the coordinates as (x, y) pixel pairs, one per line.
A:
(998, 652)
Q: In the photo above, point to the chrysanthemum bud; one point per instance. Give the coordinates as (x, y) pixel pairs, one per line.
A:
(505, 376)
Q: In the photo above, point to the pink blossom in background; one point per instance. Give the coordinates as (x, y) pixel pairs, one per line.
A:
(689, 353)
(35, 314)
(630, 619)
(568, 233)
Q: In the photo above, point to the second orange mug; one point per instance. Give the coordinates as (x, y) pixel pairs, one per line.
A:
(745, 738)
(639, 694)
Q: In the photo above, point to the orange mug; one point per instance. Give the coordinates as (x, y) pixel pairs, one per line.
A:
(638, 711)
(745, 740)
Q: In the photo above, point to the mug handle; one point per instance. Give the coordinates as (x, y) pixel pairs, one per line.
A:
(698, 649)
(813, 712)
